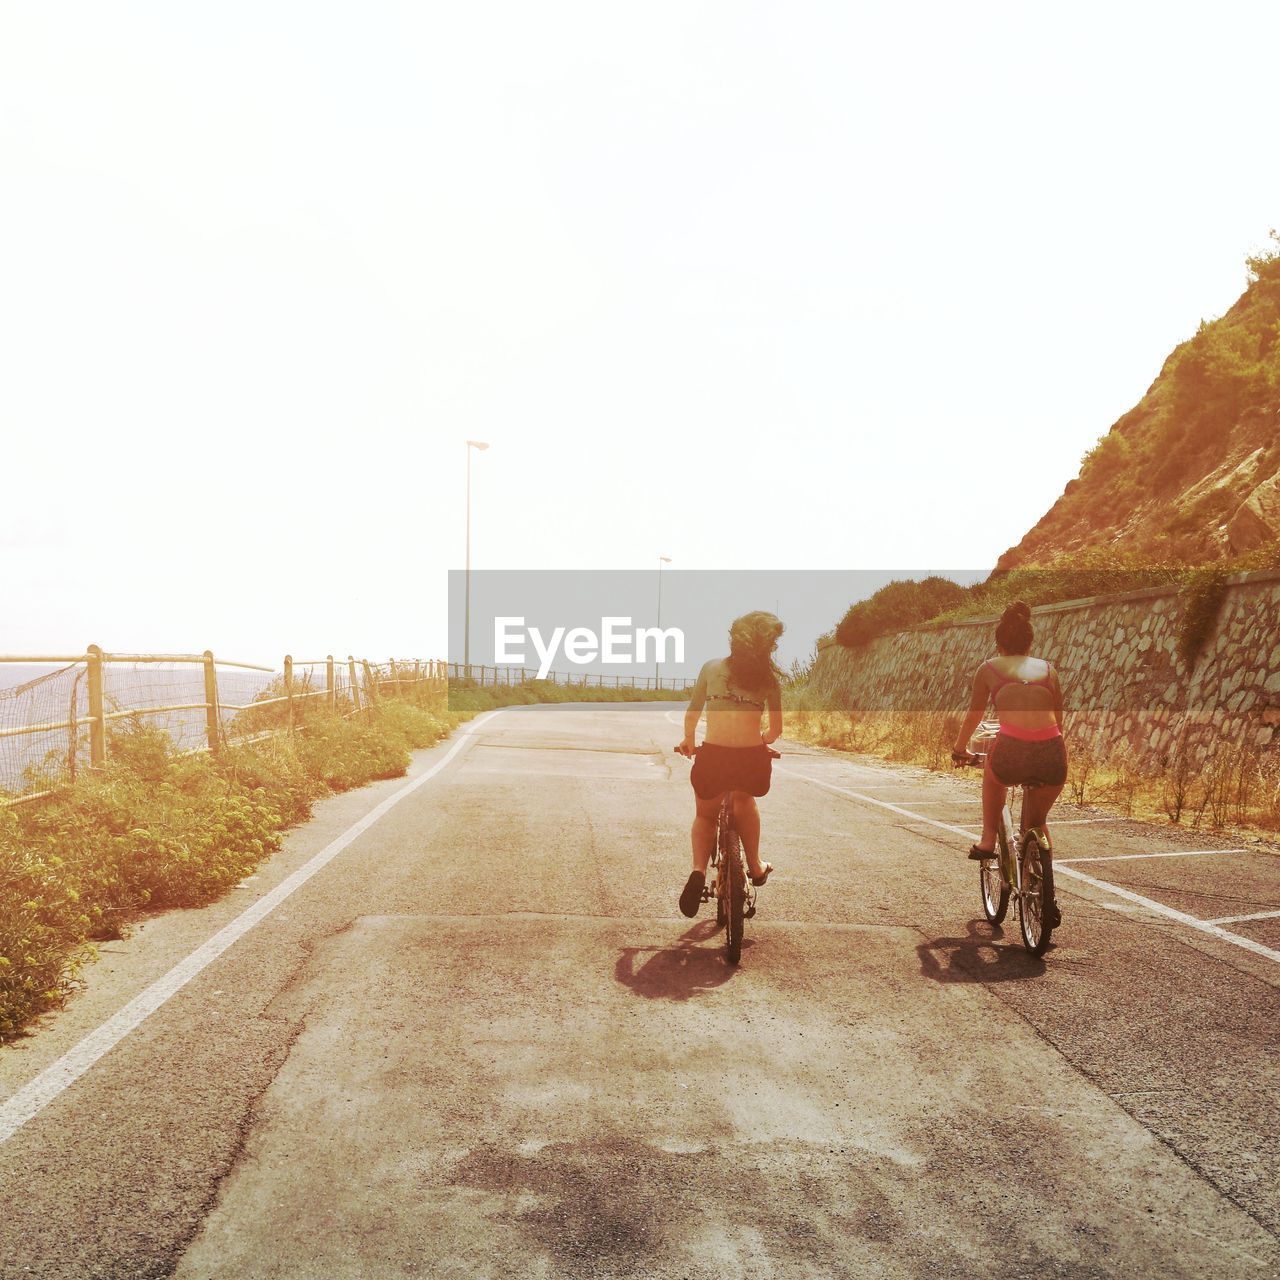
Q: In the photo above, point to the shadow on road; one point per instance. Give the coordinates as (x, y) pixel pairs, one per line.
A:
(675, 973)
(981, 956)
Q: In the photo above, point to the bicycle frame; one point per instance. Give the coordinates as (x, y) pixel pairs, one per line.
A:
(1008, 839)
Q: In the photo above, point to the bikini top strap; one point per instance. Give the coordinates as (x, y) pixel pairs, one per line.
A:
(999, 676)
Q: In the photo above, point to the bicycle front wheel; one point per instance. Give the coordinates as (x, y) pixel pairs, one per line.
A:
(1035, 910)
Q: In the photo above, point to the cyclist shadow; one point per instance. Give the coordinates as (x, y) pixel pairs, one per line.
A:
(983, 955)
(675, 973)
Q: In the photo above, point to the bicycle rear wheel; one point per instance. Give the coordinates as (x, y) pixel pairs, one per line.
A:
(733, 888)
(992, 886)
(1035, 910)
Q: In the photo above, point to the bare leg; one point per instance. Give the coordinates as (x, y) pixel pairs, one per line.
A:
(703, 833)
(993, 794)
(747, 816)
(1035, 812)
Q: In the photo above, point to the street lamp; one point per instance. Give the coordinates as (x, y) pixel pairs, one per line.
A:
(466, 625)
(657, 650)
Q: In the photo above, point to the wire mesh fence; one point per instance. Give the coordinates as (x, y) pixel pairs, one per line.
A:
(57, 714)
(504, 676)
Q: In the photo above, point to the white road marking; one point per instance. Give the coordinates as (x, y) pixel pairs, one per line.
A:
(881, 804)
(1257, 915)
(37, 1094)
(1134, 857)
(1192, 922)
(1170, 913)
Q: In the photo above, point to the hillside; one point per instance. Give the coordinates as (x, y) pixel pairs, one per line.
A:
(1191, 474)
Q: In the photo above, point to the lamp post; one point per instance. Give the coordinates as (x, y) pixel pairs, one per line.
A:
(466, 624)
(657, 650)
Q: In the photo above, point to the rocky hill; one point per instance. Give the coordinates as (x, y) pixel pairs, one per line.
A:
(1191, 474)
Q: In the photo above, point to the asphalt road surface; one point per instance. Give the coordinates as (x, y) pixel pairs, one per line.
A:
(475, 1038)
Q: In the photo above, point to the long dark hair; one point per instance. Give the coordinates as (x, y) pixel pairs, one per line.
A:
(1013, 631)
(752, 639)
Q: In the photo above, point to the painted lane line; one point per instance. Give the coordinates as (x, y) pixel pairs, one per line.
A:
(38, 1093)
(1134, 857)
(1158, 908)
(1257, 915)
(1170, 913)
(880, 804)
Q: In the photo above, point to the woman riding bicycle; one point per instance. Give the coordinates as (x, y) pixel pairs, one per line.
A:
(734, 755)
(1028, 750)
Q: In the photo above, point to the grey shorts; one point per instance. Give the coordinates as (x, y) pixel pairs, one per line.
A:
(1017, 762)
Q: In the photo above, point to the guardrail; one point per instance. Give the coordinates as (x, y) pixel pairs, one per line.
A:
(43, 720)
(494, 676)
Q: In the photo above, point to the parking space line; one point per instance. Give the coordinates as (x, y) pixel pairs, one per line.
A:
(1257, 915)
(1133, 857)
(1157, 908)
(880, 804)
(1171, 913)
(1081, 822)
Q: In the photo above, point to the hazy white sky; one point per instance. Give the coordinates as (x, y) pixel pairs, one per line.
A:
(752, 286)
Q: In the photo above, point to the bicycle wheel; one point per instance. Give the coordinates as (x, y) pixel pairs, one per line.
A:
(1036, 906)
(732, 880)
(717, 862)
(992, 886)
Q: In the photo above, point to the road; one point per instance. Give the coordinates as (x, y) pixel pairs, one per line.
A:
(476, 1039)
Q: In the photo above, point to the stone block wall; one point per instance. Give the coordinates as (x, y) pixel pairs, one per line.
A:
(1117, 659)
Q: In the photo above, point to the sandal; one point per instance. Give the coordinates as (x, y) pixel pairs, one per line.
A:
(691, 895)
(763, 876)
(980, 855)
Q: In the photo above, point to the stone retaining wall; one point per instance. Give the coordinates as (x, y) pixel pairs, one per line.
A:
(1117, 659)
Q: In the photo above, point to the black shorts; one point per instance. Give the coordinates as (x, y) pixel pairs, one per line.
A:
(718, 769)
(1017, 762)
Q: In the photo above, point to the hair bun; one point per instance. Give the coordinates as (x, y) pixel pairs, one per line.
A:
(1017, 611)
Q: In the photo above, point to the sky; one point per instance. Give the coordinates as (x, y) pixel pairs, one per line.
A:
(754, 287)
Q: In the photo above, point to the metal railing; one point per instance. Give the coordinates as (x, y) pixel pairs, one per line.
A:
(180, 685)
(492, 677)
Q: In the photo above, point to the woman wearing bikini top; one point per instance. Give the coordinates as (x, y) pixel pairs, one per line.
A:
(734, 755)
(1029, 749)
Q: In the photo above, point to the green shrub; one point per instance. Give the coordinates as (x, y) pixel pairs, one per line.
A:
(895, 606)
(1203, 592)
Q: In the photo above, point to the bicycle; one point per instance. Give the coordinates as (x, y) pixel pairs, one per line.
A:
(1021, 866)
(728, 881)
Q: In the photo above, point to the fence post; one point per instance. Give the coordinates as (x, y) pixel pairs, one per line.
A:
(211, 717)
(288, 686)
(370, 687)
(329, 687)
(73, 729)
(355, 682)
(97, 708)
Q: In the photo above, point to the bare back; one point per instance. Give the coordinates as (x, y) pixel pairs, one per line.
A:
(733, 713)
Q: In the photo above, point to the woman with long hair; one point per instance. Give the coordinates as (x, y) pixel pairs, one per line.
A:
(734, 755)
(1029, 749)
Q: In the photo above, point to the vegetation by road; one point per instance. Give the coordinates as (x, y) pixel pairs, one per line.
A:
(156, 829)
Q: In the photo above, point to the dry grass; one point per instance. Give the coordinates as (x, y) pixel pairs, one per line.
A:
(1236, 787)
